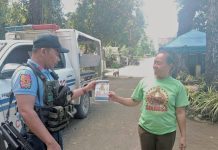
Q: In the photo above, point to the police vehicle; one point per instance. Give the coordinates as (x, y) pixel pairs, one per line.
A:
(82, 64)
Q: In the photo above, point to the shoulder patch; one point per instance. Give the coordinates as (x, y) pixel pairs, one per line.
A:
(25, 81)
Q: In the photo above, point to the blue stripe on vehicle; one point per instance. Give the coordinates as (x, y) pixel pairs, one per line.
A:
(71, 82)
(6, 107)
(6, 100)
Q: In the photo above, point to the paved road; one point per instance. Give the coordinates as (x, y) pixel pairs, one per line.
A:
(144, 69)
(110, 126)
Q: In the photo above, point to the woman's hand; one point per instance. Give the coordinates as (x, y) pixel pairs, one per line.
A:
(112, 96)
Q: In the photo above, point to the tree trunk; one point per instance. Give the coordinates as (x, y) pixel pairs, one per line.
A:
(212, 43)
(35, 10)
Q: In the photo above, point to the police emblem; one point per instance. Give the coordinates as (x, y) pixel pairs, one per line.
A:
(25, 81)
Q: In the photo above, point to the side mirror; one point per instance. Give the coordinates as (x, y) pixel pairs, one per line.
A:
(8, 70)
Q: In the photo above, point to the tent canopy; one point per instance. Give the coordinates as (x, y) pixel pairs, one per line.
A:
(190, 41)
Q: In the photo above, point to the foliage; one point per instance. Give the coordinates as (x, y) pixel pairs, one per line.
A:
(188, 79)
(204, 103)
(3, 10)
(45, 11)
(70, 21)
(182, 76)
(14, 14)
(111, 60)
(30, 12)
(144, 46)
(115, 22)
(17, 14)
(192, 15)
(200, 19)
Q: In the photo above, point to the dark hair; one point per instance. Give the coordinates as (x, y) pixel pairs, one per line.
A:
(170, 57)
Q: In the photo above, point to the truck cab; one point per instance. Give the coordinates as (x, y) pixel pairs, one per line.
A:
(83, 63)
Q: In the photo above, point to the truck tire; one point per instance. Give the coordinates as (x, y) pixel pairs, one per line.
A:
(83, 107)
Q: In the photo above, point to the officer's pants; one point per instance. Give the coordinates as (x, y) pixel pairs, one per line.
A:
(37, 144)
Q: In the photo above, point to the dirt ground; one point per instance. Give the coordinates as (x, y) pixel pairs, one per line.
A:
(110, 126)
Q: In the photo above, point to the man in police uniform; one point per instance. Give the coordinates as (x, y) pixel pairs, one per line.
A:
(29, 91)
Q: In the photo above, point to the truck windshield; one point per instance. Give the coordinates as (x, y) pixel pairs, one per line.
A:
(2, 45)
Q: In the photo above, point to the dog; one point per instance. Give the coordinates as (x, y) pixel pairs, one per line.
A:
(116, 73)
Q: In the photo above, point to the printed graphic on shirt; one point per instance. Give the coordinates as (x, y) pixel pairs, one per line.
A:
(25, 81)
(157, 99)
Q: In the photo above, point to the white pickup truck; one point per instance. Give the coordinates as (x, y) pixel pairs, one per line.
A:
(78, 67)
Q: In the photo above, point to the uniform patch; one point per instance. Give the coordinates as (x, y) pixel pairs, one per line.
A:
(25, 81)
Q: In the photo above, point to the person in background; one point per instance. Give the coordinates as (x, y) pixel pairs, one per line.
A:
(163, 106)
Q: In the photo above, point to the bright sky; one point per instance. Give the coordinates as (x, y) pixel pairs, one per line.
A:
(160, 16)
(69, 5)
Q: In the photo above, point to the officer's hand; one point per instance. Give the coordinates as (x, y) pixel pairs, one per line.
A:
(53, 146)
(90, 86)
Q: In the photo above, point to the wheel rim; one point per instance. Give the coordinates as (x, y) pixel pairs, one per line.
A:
(85, 105)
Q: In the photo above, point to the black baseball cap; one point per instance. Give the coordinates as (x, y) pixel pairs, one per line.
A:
(49, 41)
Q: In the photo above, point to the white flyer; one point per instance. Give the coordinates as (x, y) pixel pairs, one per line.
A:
(101, 90)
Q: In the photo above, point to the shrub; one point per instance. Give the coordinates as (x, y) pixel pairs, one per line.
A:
(204, 102)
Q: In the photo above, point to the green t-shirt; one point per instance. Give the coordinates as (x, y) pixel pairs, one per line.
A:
(160, 99)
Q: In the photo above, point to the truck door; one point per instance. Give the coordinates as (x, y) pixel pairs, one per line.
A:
(15, 55)
(65, 72)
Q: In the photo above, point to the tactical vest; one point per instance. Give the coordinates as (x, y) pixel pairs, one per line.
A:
(57, 111)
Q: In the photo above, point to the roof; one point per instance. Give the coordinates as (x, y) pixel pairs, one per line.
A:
(191, 41)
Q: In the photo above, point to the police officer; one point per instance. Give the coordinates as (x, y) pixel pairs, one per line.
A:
(26, 86)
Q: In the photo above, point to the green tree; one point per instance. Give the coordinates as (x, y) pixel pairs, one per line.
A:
(192, 15)
(3, 10)
(17, 14)
(200, 19)
(115, 22)
(70, 21)
(45, 11)
(81, 19)
(186, 14)
(13, 14)
(30, 12)
(145, 46)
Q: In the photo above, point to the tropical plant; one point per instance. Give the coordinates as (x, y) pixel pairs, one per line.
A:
(204, 102)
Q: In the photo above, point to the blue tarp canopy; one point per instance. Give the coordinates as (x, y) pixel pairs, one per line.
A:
(188, 42)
